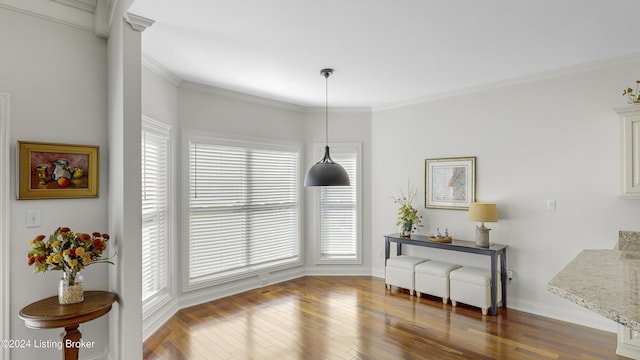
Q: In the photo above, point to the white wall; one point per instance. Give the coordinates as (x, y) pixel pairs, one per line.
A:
(549, 137)
(212, 110)
(160, 103)
(56, 76)
(346, 125)
(208, 109)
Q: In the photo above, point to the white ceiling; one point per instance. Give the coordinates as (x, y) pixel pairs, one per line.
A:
(383, 51)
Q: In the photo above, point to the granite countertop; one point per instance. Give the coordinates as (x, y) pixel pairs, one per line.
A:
(604, 281)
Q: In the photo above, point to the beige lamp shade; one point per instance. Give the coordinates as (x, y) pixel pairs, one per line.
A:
(483, 212)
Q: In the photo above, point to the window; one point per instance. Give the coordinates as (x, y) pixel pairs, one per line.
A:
(339, 225)
(243, 208)
(155, 210)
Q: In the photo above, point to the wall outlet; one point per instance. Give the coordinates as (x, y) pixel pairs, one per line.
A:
(509, 275)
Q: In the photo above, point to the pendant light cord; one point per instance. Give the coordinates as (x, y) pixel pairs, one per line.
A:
(326, 109)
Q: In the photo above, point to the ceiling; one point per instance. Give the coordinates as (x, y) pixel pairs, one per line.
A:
(383, 51)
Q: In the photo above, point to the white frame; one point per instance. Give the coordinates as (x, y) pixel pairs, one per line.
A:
(318, 221)
(237, 140)
(156, 302)
(433, 185)
(5, 318)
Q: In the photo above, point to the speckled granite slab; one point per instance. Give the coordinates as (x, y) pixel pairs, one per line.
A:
(605, 282)
(629, 241)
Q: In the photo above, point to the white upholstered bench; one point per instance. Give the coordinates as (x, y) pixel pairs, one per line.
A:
(399, 272)
(432, 277)
(472, 286)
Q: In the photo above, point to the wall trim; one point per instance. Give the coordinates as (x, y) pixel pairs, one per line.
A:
(153, 65)
(543, 75)
(576, 315)
(138, 23)
(86, 5)
(237, 287)
(337, 270)
(5, 260)
(54, 12)
(230, 94)
(338, 110)
(158, 318)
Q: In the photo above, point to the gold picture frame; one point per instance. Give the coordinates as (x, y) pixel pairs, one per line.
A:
(57, 171)
(450, 183)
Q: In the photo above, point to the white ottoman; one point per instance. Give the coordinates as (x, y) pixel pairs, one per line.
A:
(432, 277)
(399, 271)
(472, 286)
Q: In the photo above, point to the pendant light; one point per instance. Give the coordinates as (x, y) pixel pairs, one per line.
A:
(326, 172)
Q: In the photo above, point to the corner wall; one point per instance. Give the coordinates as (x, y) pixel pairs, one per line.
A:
(551, 137)
(56, 76)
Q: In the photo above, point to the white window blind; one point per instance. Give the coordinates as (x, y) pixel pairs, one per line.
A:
(243, 208)
(339, 225)
(155, 208)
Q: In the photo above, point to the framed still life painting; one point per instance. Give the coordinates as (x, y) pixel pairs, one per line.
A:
(450, 183)
(57, 171)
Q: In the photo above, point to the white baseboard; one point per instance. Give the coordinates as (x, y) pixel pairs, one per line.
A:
(336, 270)
(201, 296)
(163, 313)
(572, 314)
(379, 273)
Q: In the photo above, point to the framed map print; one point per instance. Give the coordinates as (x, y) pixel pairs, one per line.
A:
(450, 183)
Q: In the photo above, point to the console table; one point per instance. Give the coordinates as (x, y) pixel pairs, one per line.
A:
(494, 251)
(48, 313)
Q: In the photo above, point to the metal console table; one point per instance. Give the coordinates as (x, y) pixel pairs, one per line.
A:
(493, 251)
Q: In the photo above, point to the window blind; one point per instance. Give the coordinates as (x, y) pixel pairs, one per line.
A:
(338, 211)
(243, 208)
(155, 210)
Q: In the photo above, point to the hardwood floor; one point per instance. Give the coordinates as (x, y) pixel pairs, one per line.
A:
(356, 318)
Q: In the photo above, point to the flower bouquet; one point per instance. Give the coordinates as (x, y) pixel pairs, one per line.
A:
(70, 252)
(408, 216)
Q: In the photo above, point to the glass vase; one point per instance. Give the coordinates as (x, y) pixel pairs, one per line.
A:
(407, 226)
(70, 289)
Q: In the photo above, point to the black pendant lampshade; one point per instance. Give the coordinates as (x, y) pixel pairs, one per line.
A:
(326, 172)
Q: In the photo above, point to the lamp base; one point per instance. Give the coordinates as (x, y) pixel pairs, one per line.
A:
(482, 236)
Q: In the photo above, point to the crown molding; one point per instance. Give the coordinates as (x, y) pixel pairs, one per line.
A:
(543, 75)
(52, 11)
(338, 109)
(137, 22)
(86, 5)
(189, 85)
(157, 68)
(88, 15)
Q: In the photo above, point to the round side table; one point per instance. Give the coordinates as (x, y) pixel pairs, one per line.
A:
(48, 313)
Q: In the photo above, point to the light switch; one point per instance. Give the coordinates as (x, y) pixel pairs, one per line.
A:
(33, 218)
(551, 205)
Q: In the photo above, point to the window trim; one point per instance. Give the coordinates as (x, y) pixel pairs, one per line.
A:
(189, 135)
(162, 296)
(319, 259)
(5, 219)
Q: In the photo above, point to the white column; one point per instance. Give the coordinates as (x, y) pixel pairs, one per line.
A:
(125, 104)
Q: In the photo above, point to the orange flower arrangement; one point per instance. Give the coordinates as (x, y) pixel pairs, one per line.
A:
(67, 251)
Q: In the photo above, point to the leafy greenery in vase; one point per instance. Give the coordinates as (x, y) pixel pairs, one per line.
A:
(407, 212)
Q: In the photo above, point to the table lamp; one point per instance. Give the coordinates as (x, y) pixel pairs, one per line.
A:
(481, 211)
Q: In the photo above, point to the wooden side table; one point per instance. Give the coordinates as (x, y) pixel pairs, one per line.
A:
(48, 313)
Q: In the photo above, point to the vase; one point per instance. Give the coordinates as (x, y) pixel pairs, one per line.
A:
(70, 289)
(407, 226)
